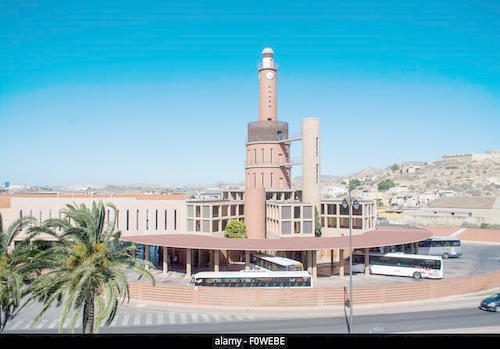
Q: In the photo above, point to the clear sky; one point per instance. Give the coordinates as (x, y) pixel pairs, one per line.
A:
(102, 92)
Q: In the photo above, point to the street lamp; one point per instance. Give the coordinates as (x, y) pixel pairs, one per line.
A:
(345, 204)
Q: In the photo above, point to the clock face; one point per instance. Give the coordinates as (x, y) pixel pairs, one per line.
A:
(269, 75)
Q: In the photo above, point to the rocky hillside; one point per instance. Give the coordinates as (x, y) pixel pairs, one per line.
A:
(475, 178)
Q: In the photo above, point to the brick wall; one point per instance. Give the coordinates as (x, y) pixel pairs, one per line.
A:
(237, 297)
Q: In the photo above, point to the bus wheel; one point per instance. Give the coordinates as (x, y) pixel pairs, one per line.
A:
(416, 275)
(445, 255)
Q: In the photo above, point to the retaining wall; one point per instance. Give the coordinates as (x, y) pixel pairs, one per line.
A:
(238, 297)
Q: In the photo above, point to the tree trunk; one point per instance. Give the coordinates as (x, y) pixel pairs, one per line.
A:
(88, 315)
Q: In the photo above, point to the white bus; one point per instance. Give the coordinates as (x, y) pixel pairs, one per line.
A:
(400, 264)
(441, 246)
(274, 263)
(253, 278)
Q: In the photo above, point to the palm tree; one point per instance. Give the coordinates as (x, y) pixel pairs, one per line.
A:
(14, 270)
(85, 269)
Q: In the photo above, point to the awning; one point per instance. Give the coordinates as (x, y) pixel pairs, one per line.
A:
(381, 236)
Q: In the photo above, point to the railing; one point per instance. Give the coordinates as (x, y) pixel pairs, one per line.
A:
(291, 162)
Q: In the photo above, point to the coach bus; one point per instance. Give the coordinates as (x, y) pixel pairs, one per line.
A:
(441, 246)
(274, 263)
(400, 264)
(253, 278)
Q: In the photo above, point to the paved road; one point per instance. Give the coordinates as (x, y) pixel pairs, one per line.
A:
(453, 315)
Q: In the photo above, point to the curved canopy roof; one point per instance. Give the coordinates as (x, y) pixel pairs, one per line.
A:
(382, 236)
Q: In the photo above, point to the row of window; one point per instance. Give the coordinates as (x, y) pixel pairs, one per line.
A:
(203, 211)
(153, 219)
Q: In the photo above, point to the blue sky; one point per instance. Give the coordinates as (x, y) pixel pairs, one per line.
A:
(148, 91)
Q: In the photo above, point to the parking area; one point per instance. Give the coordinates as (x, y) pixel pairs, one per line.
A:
(476, 258)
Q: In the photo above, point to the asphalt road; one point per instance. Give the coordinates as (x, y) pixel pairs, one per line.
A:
(457, 315)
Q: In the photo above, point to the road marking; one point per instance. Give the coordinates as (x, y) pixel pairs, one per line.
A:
(161, 318)
(125, 320)
(183, 318)
(41, 324)
(458, 232)
(16, 324)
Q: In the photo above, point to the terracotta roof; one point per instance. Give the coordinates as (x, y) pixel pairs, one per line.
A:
(137, 196)
(382, 236)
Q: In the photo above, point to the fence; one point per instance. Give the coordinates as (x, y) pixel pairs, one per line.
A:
(236, 297)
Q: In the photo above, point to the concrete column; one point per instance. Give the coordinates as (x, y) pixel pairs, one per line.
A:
(314, 262)
(199, 259)
(165, 259)
(311, 186)
(416, 247)
(341, 263)
(189, 255)
(247, 260)
(367, 261)
(309, 262)
(146, 252)
(331, 262)
(216, 260)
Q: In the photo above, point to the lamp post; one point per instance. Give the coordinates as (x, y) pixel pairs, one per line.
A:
(350, 204)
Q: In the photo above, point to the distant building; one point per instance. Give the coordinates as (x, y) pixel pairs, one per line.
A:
(491, 154)
(456, 211)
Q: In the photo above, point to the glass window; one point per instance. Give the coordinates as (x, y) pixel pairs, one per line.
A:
(286, 227)
(286, 212)
(296, 212)
(297, 227)
(190, 211)
(307, 212)
(206, 211)
(215, 211)
(307, 225)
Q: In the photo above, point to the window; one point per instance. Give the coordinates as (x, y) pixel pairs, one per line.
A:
(254, 181)
(270, 155)
(317, 146)
(127, 219)
(137, 220)
(262, 179)
(156, 219)
(255, 155)
(296, 212)
(271, 179)
(147, 220)
(175, 219)
(117, 218)
(165, 216)
(262, 154)
(317, 173)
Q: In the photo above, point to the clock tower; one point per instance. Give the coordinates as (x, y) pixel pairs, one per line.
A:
(267, 87)
(267, 165)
